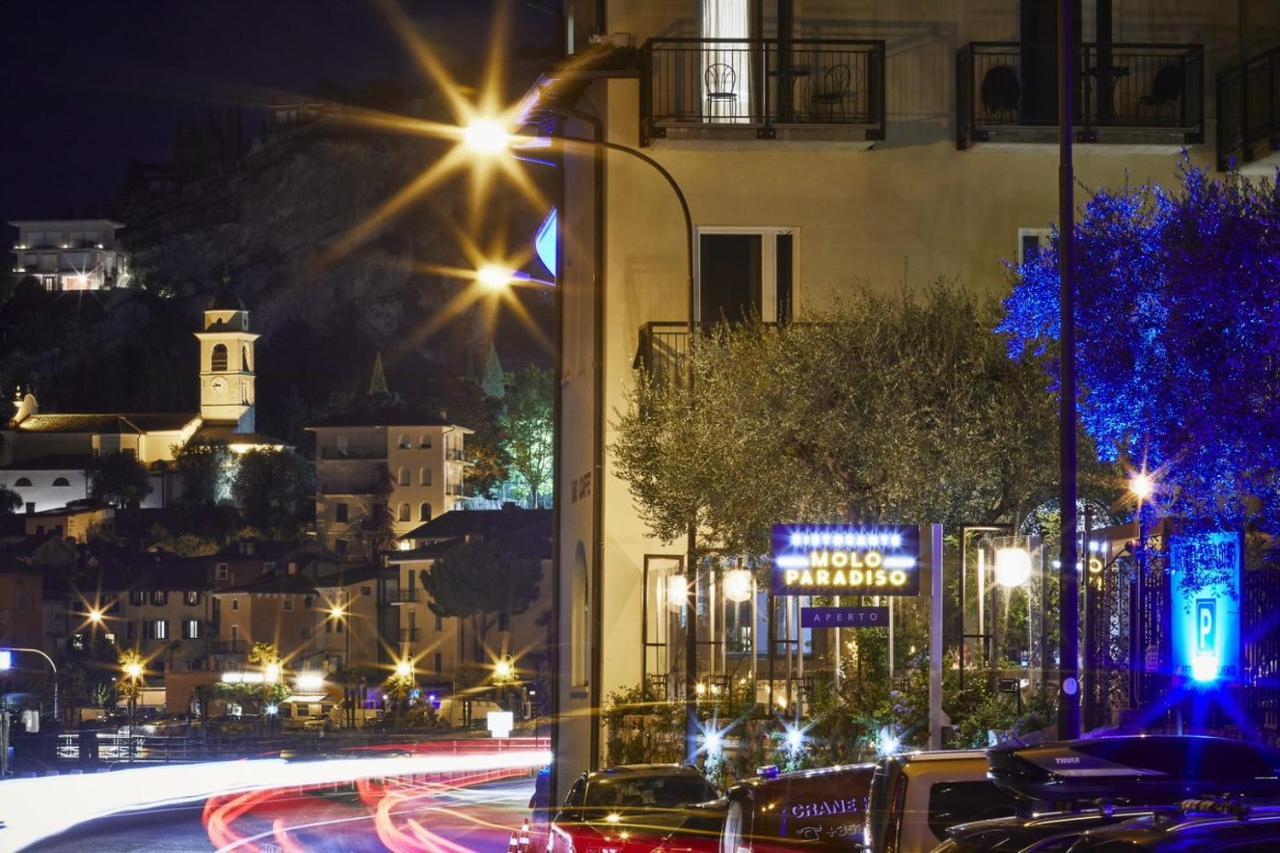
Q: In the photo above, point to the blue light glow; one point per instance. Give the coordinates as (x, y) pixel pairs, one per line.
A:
(1178, 302)
(1205, 600)
(544, 242)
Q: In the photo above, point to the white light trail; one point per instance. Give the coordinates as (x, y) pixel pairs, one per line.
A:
(35, 809)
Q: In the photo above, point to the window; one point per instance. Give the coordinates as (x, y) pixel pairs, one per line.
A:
(405, 442)
(61, 481)
(728, 72)
(22, 483)
(308, 601)
(425, 442)
(159, 598)
(306, 632)
(439, 662)
(190, 629)
(191, 598)
(160, 629)
(403, 478)
(504, 621)
(404, 512)
(221, 572)
(952, 802)
(130, 630)
(288, 604)
(439, 622)
(340, 547)
(424, 476)
(1031, 242)
(340, 513)
(244, 358)
(235, 604)
(745, 273)
(341, 444)
(218, 358)
(424, 512)
(366, 590)
(268, 567)
(328, 626)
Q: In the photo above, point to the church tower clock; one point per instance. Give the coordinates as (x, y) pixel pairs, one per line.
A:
(227, 363)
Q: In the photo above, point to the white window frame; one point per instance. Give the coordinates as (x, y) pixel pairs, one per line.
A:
(768, 265)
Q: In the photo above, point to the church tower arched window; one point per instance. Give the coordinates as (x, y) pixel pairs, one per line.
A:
(218, 358)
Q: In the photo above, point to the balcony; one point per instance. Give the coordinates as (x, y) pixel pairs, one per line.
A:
(455, 455)
(663, 346)
(408, 635)
(1248, 113)
(1125, 93)
(230, 647)
(404, 596)
(692, 88)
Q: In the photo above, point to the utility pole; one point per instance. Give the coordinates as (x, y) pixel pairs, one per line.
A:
(1068, 581)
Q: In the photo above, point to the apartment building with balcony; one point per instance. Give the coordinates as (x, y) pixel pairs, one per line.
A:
(377, 479)
(441, 645)
(70, 254)
(822, 147)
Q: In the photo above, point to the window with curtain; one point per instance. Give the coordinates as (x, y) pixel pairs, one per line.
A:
(726, 66)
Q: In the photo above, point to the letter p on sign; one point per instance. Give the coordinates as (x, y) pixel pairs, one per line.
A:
(1206, 625)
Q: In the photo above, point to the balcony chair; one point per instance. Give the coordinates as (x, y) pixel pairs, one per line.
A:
(835, 89)
(1166, 90)
(1001, 93)
(721, 83)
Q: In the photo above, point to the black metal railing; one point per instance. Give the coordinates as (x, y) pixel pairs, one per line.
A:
(663, 346)
(761, 85)
(408, 635)
(1248, 112)
(1143, 88)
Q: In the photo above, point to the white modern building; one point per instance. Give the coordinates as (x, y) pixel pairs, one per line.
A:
(70, 254)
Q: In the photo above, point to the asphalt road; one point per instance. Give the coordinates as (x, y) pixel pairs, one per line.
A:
(448, 821)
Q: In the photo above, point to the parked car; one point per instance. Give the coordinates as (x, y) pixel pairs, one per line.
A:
(1135, 769)
(916, 797)
(1055, 830)
(1200, 826)
(627, 808)
(699, 831)
(823, 809)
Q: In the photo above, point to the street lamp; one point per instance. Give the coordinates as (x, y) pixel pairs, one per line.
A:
(487, 137)
(6, 662)
(1013, 567)
(1142, 487)
(404, 669)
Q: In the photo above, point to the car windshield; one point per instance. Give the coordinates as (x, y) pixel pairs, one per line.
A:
(654, 792)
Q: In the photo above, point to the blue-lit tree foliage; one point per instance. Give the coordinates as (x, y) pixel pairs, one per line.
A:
(1178, 338)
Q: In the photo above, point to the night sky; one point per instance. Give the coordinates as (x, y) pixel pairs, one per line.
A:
(89, 84)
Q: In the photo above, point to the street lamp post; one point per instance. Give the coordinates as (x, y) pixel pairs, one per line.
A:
(1068, 582)
(486, 137)
(8, 659)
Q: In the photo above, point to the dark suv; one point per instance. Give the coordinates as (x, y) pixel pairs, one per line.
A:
(626, 808)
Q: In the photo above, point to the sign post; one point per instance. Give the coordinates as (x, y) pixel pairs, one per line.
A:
(936, 721)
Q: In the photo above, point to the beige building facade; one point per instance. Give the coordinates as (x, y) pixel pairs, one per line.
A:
(413, 472)
(865, 144)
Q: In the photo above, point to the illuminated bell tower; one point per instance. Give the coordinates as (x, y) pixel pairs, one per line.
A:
(226, 363)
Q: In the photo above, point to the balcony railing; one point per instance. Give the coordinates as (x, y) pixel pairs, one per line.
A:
(408, 635)
(1008, 92)
(1248, 108)
(454, 454)
(229, 647)
(663, 346)
(761, 87)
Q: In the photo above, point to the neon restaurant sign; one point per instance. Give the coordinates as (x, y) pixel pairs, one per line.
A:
(843, 559)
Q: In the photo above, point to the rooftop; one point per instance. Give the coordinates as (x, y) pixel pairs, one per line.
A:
(131, 423)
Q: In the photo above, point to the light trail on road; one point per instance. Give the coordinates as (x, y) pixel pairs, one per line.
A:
(35, 809)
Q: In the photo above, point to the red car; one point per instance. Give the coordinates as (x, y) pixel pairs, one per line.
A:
(627, 809)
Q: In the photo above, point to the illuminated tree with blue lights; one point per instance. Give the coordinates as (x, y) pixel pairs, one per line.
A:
(1178, 338)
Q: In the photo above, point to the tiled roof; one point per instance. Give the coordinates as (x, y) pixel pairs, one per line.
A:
(127, 423)
(227, 433)
(376, 418)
